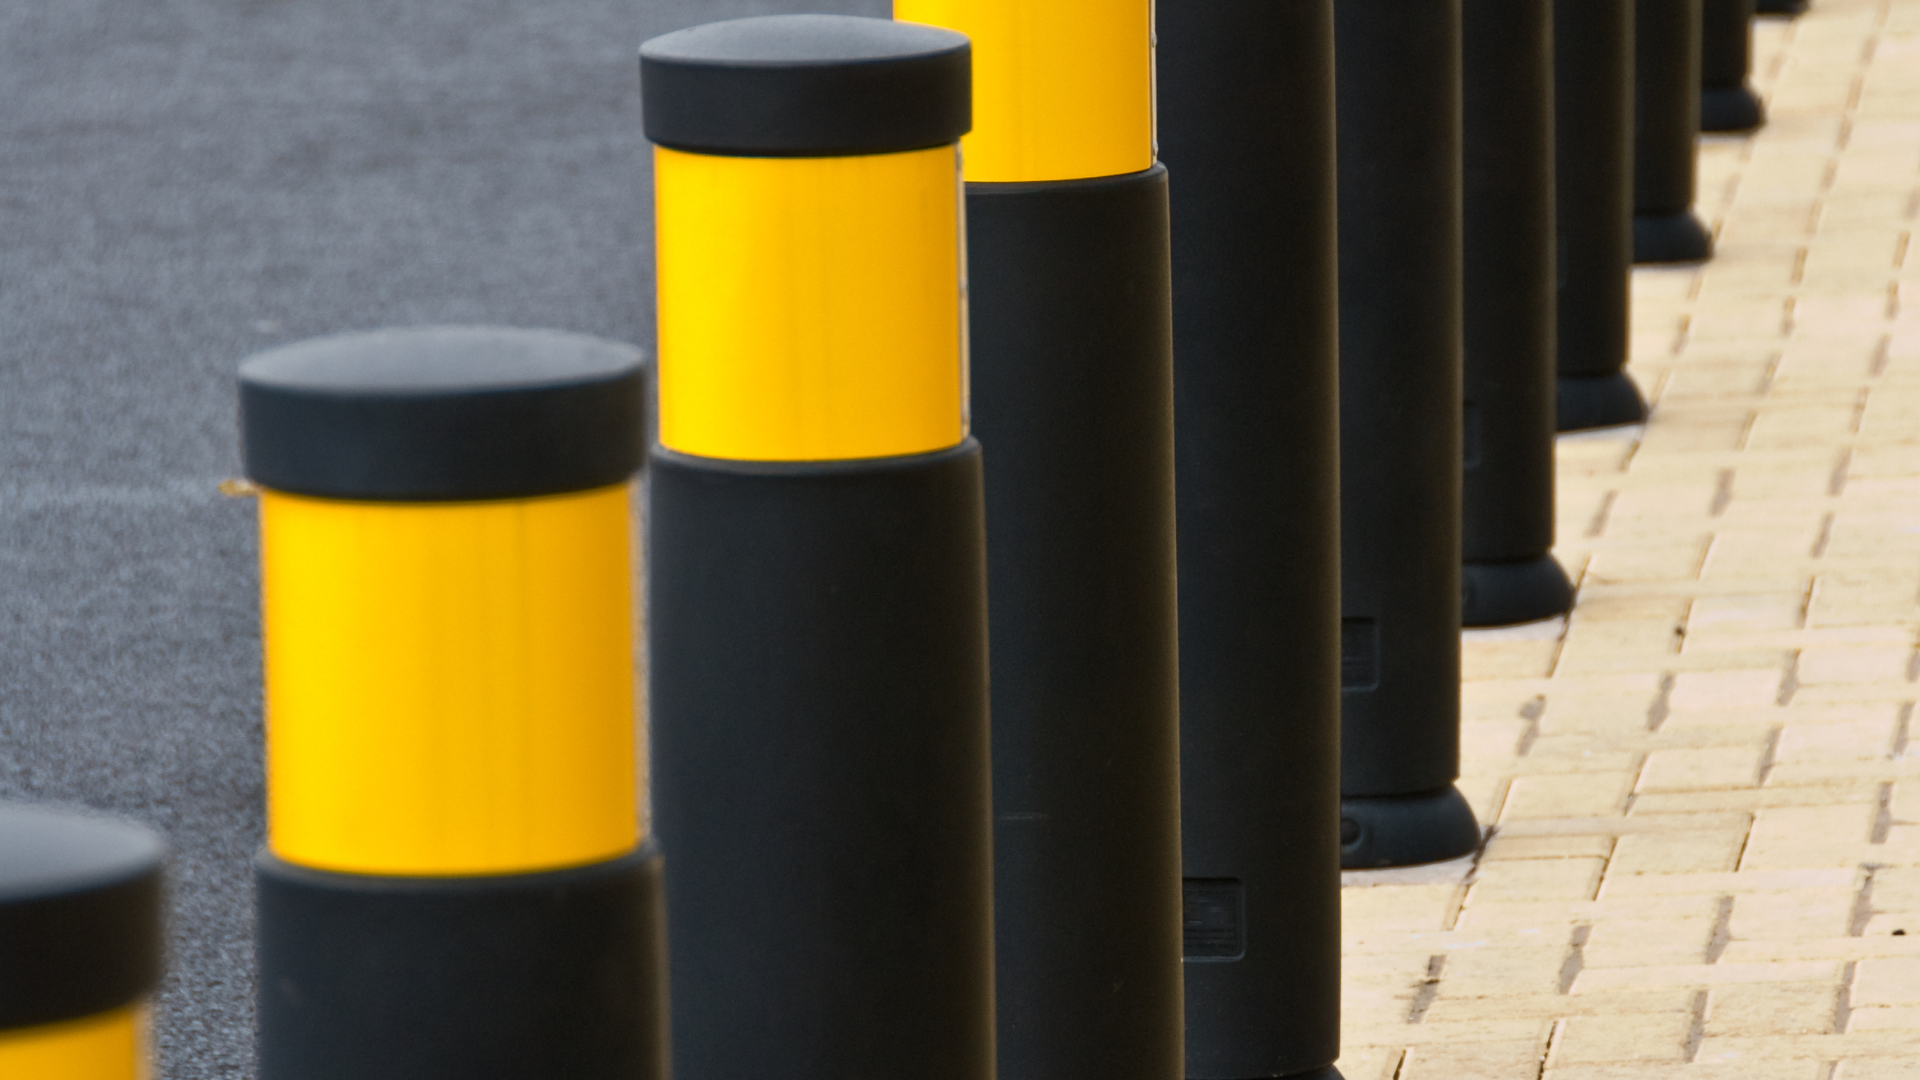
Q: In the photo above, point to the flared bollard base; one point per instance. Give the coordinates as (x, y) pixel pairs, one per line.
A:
(1678, 237)
(1379, 831)
(1506, 593)
(1598, 401)
(1730, 109)
(1781, 7)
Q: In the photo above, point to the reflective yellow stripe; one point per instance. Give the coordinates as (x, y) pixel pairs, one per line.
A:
(810, 309)
(110, 1046)
(449, 685)
(1062, 89)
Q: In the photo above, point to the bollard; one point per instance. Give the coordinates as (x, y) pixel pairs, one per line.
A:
(455, 882)
(1399, 104)
(80, 944)
(1072, 391)
(1666, 128)
(1727, 103)
(1247, 131)
(1593, 202)
(817, 573)
(1788, 8)
(1506, 511)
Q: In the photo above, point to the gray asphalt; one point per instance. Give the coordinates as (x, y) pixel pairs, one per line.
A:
(183, 182)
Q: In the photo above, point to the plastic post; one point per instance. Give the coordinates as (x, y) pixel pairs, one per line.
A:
(1593, 200)
(80, 944)
(1666, 129)
(816, 558)
(455, 883)
(1399, 103)
(1727, 103)
(1247, 132)
(1510, 574)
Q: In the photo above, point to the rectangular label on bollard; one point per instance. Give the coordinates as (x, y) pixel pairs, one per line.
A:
(1359, 654)
(1213, 919)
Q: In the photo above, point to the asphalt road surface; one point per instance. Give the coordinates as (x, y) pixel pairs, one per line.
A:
(183, 182)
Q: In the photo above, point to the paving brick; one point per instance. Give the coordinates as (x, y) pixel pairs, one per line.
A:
(1772, 1009)
(1513, 1060)
(1567, 796)
(1888, 981)
(1537, 879)
(1677, 853)
(1615, 943)
(1795, 913)
(1806, 837)
(1701, 768)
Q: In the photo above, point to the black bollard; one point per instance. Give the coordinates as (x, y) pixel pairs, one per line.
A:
(816, 559)
(80, 944)
(1727, 103)
(455, 882)
(1506, 512)
(1247, 130)
(1400, 419)
(1788, 8)
(1072, 393)
(1593, 201)
(1666, 129)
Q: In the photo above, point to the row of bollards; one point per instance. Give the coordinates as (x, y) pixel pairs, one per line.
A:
(931, 311)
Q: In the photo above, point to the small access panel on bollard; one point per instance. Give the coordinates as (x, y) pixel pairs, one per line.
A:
(816, 560)
(1245, 95)
(80, 944)
(1399, 106)
(1666, 132)
(1727, 103)
(1510, 575)
(1072, 396)
(455, 883)
(1593, 203)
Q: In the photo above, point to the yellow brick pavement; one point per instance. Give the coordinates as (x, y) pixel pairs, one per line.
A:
(1705, 850)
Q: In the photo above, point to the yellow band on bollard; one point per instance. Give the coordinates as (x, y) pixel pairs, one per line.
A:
(110, 1046)
(1062, 90)
(810, 309)
(449, 685)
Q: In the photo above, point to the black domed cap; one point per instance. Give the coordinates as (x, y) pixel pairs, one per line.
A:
(80, 919)
(806, 86)
(443, 413)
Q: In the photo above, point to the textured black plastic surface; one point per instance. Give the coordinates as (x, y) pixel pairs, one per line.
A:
(1406, 830)
(1727, 103)
(1246, 131)
(510, 977)
(80, 914)
(1072, 381)
(806, 86)
(817, 635)
(443, 412)
(1508, 424)
(1517, 591)
(1593, 204)
(1666, 128)
(1400, 393)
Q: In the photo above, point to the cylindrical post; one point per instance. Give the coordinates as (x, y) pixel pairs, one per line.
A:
(1666, 130)
(816, 563)
(1510, 574)
(80, 944)
(1400, 420)
(1247, 130)
(455, 882)
(1788, 8)
(1072, 393)
(1727, 103)
(1593, 202)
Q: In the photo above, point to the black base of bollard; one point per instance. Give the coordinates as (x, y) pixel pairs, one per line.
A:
(1599, 401)
(1788, 8)
(1379, 831)
(1506, 593)
(1678, 237)
(1730, 109)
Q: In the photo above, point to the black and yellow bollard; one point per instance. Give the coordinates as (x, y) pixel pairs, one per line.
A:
(1510, 574)
(1666, 132)
(1072, 393)
(455, 882)
(816, 563)
(1245, 92)
(1399, 85)
(1727, 103)
(80, 944)
(1593, 204)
